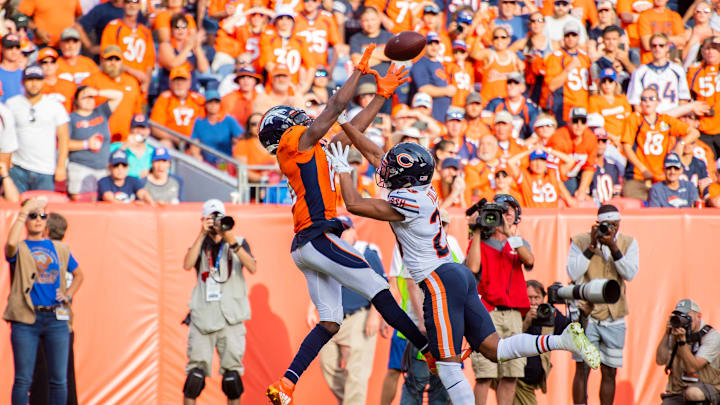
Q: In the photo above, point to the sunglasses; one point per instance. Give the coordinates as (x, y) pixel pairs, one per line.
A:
(120, 165)
(648, 98)
(47, 62)
(571, 34)
(513, 82)
(35, 215)
(562, 3)
(607, 80)
(537, 20)
(321, 73)
(180, 26)
(545, 126)
(579, 120)
(667, 168)
(509, 2)
(12, 47)
(703, 11)
(500, 37)
(604, 10)
(113, 59)
(603, 140)
(656, 45)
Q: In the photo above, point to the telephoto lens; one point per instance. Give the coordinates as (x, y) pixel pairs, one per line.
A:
(227, 223)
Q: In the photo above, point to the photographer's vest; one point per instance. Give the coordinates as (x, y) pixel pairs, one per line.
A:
(601, 268)
(679, 379)
(20, 307)
(233, 306)
(502, 281)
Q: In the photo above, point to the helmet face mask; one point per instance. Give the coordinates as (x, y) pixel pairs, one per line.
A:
(407, 164)
(276, 121)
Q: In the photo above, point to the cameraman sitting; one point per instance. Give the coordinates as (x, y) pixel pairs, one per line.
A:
(497, 255)
(689, 349)
(218, 305)
(603, 253)
(541, 319)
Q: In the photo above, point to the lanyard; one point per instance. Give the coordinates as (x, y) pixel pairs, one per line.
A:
(215, 264)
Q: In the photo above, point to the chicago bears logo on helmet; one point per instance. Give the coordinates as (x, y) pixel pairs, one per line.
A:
(404, 160)
(276, 121)
(406, 164)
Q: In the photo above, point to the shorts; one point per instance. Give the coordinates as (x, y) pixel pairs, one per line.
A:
(229, 342)
(609, 338)
(711, 394)
(83, 179)
(329, 263)
(397, 348)
(507, 323)
(452, 309)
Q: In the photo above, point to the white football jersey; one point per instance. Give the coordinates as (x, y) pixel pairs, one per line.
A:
(669, 80)
(420, 236)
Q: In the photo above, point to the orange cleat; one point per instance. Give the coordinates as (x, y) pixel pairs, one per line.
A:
(281, 392)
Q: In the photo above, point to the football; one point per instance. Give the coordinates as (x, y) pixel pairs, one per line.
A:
(405, 46)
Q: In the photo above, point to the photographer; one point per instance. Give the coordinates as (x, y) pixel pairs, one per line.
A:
(219, 303)
(603, 253)
(689, 350)
(497, 255)
(541, 319)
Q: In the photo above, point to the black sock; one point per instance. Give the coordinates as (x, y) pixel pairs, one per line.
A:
(398, 319)
(309, 349)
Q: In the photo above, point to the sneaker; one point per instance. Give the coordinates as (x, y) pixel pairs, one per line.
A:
(430, 360)
(281, 392)
(574, 339)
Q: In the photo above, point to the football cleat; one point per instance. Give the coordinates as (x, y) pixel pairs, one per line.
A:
(281, 392)
(574, 339)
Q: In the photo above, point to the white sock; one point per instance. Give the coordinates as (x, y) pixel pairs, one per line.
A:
(524, 345)
(455, 383)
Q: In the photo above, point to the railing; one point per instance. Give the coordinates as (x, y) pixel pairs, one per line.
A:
(240, 184)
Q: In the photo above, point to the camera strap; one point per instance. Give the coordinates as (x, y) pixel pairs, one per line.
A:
(693, 337)
(215, 263)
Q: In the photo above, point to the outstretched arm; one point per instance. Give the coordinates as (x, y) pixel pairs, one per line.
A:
(335, 105)
(372, 152)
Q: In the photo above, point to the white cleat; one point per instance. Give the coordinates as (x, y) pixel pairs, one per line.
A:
(574, 339)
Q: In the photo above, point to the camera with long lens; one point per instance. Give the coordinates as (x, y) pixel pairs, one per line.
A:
(605, 228)
(490, 216)
(598, 291)
(545, 315)
(223, 222)
(680, 320)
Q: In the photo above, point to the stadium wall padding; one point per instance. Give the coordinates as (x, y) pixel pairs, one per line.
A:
(131, 347)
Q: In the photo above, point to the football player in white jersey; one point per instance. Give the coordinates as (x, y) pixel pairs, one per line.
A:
(451, 306)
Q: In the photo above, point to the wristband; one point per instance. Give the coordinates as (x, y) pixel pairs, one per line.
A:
(588, 253)
(682, 343)
(234, 246)
(617, 255)
(515, 242)
(86, 145)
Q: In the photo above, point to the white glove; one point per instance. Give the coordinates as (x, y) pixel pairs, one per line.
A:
(338, 158)
(343, 118)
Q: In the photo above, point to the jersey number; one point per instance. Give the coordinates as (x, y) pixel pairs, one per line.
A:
(134, 49)
(667, 94)
(441, 250)
(604, 188)
(653, 143)
(578, 79)
(543, 192)
(288, 57)
(317, 39)
(707, 87)
(183, 116)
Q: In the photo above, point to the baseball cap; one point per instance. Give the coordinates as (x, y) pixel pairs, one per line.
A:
(518, 77)
(431, 8)
(354, 156)
(160, 154)
(10, 40)
(112, 50)
(473, 97)
(544, 121)
(605, 5)
(455, 114)
(464, 17)
(411, 132)
(139, 120)
(47, 52)
(503, 116)
(70, 33)
(432, 36)
(672, 160)
(608, 73)
(33, 72)
(20, 20)
(538, 154)
(280, 70)
(284, 10)
(117, 157)
(247, 71)
(578, 112)
(595, 120)
(212, 95)
(451, 162)
(686, 305)
(212, 206)
(600, 133)
(459, 45)
(346, 222)
(571, 27)
(422, 100)
(366, 88)
(179, 72)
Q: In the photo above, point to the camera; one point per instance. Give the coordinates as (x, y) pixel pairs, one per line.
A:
(490, 216)
(545, 315)
(605, 228)
(680, 320)
(223, 222)
(598, 291)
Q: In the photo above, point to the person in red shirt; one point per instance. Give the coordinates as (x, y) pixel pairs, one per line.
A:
(177, 108)
(61, 90)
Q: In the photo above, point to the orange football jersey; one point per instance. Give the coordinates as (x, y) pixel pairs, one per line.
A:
(574, 92)
(614, 112)
(704, 83)
(63, 91)
(462, 77)
(178, 115)
(651, 142)
(540, 190)
(292, 52)
(318, 33)
(81, 70)
(401, 12)
(138, 48)
(131, 103)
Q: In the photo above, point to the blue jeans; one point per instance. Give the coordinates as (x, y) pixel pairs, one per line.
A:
(419, 379)
(26, 180)
(24, 339)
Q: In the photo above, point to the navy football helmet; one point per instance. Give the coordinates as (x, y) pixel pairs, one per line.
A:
(407, 164)
(276, 121)
(509, 200)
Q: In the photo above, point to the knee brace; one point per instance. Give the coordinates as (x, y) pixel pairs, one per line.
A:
(232, 384)
(194, 383)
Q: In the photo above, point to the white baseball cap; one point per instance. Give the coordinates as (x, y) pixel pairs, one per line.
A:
(213, 205)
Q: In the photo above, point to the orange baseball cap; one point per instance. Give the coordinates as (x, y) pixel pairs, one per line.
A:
(47, 52)
(280, 70)
(400, 110)
(112, 50)
(179, 72)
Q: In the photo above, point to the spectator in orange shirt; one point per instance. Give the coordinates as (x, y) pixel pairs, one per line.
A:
(702, 80)
(480, 173)
(183, 50)
(611, 104)
(50, 18)
(284, 47)
(319, 29)
(503, 129)
(162, 22)
(629, 12)
(177, 108)
(493, 65)
(432, 21)
(461, 73)
(250, 151)
(503, 185)
(540, 187)
(659, 19)
(136, 42)
(239, 103)
(111, 76)
(281, 92)
(397, 15)
(61, 90)
(72, 66)
(476, 127)
(450, 185)
(234, 40)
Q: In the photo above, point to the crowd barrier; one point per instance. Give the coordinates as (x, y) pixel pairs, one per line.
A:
(131, 347)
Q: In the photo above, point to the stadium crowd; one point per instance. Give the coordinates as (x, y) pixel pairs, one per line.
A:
(559, 103)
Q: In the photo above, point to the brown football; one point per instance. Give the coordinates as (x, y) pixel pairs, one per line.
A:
(405, 46)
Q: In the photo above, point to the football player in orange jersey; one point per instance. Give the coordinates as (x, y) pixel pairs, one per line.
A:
(283, 47)
(319, 29)
(646, 141)
(704, 82)
(177, 108)
(61, 90)
(461, 73)
(568, 76)
(326, 260)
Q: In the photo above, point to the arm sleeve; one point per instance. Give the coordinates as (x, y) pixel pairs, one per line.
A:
(355, 45)
(577, 263)
(103, 186)
(88, 21)
(643, 25)
(8, 140)
(61, 115)
(629, 264)
(683, 89)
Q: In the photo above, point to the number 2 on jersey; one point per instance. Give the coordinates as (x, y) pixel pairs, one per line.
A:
(441, 250)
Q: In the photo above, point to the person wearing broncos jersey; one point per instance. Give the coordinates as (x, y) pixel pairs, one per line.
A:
(606, 180)
(523, 110)
(327, 261)
(451, 305)
(703, 80)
